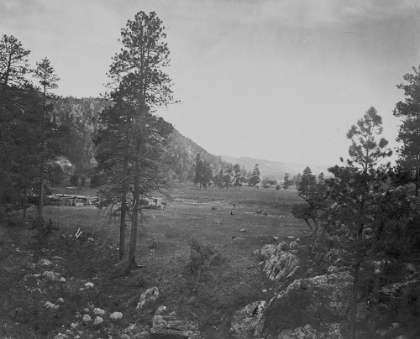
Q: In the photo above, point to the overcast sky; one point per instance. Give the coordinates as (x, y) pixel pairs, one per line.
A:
(279, 80)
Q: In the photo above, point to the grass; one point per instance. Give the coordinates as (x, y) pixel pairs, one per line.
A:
(164, 246)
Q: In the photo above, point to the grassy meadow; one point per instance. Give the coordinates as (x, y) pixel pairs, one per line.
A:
(233, 224)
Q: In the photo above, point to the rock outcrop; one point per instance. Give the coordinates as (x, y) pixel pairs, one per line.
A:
(280, 265)
(148, 296)
(246, 319)
(170, 326)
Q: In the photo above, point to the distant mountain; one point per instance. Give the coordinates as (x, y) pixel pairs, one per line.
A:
(274, 169)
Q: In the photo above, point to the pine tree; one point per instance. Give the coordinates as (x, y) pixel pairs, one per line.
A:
(286, 182)
(255, 176)
(353, 190)
(48, 80)
(138, 69)
(409, 132)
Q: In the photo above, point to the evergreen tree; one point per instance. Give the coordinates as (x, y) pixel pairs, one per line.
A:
(355, 189)
(286, 182)
(137, 72)
(48, 80)
(237, 176)
(255, 176)
(409, 132)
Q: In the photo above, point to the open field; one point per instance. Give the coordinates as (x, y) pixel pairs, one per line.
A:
(227, 221)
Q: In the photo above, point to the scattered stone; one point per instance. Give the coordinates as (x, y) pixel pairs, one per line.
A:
(150, 295)
(116, 315)
(245, 320)
(86, 318)
(44, 263)
(276, 238)
(264, 290)
(401, 337)
(62, 279)
(291, 237)
(60, 300)
(49, 304)
(238, 239)
(305, 332)
(395, 325)
(279, 266)
(125, 336)
(293, 245)
(86, 310)
(256, 252)
(98, 320)
(171, 326)
(98, 311)
(50, 275)
(89, 285)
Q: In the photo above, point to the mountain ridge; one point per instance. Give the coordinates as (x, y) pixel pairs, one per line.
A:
(275, 169)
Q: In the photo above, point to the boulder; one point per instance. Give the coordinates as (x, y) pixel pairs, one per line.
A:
(323, 297)
(328, 331)
(44, 263)
(305, 332)
(267, 251)
(282, 246)
(98, 320)
(116, 315)
(245, 320)
(148, 296)
(165, 325)
(279, 266)
(329, 292)
(293, 245)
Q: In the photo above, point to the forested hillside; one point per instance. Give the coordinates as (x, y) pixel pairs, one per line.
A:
(80, 116)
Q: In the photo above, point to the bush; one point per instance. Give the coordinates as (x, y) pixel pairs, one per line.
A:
(202, 257)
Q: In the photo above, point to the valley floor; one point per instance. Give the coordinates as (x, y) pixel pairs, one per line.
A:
(233, 224)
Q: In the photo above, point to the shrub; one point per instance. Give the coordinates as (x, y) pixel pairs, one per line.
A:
(202, 257)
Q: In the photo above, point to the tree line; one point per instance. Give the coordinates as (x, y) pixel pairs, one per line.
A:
(366, 215)
(130, 140)
(28, 135)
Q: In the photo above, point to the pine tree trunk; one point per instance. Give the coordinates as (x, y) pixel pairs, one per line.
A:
(134, 224)
(41, 190)
(354, 300)
(122, 221)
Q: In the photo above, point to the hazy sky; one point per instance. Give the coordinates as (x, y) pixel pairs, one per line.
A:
(277, 80)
